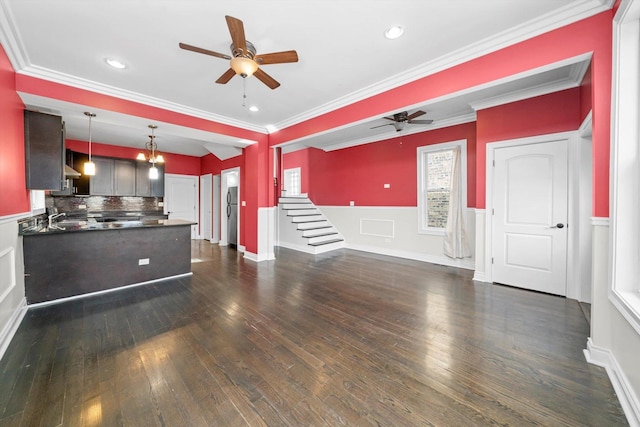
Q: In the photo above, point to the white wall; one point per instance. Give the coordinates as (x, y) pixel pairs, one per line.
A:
(12, 300)
(394, 231)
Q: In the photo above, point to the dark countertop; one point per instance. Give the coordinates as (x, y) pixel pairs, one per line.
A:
(71, 225)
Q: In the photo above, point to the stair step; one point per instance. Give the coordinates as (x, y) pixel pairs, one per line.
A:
(327, 238)
(289, 206)
(327, 242)
(322, 231)
(312, 225)
(293, 200)
(302, 212)
(307, 218)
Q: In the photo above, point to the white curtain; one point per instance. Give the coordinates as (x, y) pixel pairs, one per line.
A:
(456, 241)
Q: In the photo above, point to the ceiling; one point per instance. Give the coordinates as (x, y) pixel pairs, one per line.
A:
(344, 57)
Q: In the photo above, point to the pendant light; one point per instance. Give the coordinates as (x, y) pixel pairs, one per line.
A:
(152, 146)
(89, 167)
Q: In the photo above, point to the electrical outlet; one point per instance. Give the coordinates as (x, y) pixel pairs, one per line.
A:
(352, 203)
(82, 206)
(160, 204)
(143, 261)
(387, 186)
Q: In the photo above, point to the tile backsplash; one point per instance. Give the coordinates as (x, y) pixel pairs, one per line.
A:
(70, 204)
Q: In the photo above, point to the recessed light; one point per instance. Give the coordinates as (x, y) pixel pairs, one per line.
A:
(393, 32)
(254, 108)
(115, 63)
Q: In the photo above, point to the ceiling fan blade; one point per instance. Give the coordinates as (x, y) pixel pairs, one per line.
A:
(226, 76)
(277, 57)
(236, 29)
(393, 119)
(416, 114)
(379, 126)
(420, 122)
(204, 51)
(266, 79)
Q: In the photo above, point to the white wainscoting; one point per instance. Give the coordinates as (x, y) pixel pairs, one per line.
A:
(13, 305)
(393, 231)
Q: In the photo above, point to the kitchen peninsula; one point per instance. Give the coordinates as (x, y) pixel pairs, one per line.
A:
(72, 258)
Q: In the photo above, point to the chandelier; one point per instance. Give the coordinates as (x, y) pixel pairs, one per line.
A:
(152, 154)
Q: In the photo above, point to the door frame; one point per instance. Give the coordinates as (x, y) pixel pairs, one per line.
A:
(196, 195)
(573, 216)
(223, 205)
(206, 201)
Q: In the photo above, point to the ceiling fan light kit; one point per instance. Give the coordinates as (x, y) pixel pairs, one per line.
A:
(244, 61)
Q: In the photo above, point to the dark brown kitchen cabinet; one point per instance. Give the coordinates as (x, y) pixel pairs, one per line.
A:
(44, 151)
(145, 186)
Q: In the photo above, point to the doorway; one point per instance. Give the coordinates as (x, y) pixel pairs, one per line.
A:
(292, 182)
(205, 207)
(229, 225)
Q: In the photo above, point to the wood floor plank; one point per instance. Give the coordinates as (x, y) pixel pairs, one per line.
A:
(343, 338)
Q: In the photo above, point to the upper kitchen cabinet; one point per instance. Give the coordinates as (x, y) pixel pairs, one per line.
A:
(44, 151)
(114, 177)
(146, 186)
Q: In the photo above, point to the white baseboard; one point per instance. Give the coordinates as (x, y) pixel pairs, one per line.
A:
(302, 248)
(259, 258)
(628, 400)
(12, 326)
(466, 263)
(479, 276)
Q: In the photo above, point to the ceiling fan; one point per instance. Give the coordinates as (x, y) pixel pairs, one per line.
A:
(400, 120)
(245, 62)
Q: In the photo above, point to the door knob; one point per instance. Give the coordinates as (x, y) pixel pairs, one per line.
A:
(558, 225)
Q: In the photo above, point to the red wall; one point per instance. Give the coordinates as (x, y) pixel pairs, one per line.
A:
(359, 173)
(174, 163)
(14, 197)
(556, 112)
(299, 159)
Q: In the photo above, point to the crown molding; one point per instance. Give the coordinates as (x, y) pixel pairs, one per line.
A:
(467, 118)
(580, 65)
(89, 85)
(12, 46)
(569, 14)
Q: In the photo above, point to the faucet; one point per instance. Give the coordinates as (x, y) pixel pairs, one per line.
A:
(54, 216)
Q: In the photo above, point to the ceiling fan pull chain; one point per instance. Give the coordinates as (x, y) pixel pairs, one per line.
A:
(244, 92)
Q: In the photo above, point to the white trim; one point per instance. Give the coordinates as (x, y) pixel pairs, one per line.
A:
(393, 227)
(584, 131)
(202, 206)
(224, 241)
(603, 357)
(624, 292)
(491, 147)
(564, 16)
(12, 325)
(106, 291)
(480, 277)
(433, 148)
(10, 252)
(14, 217)
(600, 221)
(465, 263)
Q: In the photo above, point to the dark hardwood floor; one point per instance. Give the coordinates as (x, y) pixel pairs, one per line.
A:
(347, 338)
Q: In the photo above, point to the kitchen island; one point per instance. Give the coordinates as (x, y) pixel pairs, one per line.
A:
(74, 258)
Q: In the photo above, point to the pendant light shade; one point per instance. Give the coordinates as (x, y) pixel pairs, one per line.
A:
(89, 167)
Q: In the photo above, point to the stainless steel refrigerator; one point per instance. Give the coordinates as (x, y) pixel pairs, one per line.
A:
(232, 217)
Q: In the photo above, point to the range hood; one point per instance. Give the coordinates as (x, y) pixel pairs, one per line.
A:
(69, 172)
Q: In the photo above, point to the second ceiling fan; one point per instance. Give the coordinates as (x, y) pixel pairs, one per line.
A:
(400, 120)
(245, 61)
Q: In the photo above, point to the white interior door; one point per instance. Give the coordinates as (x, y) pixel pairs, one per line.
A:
(530, 186)
(181, 198)
(205, 207)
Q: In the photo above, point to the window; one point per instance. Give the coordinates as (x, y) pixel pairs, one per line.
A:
(292, 181)
(434, 183)
(625, 180)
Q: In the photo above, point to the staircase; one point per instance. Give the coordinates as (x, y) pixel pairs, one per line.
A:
(303, 227)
